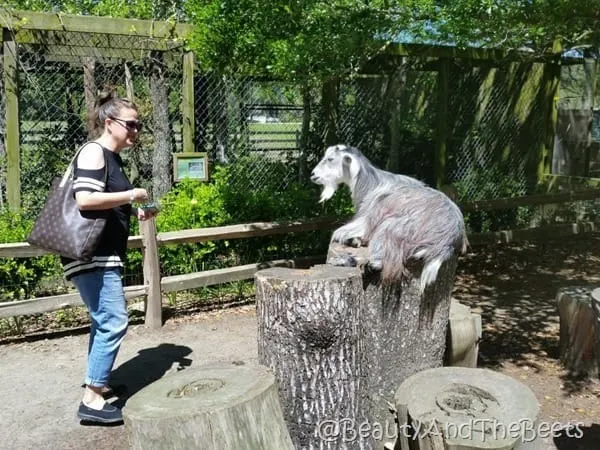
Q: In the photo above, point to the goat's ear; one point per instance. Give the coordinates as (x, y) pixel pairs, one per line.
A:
(346, 163)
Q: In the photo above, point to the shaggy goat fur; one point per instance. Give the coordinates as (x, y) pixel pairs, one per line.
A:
(398, 217)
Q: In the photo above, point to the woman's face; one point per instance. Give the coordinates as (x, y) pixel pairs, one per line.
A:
(124, 127)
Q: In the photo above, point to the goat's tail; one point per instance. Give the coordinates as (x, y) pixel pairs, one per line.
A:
(430, 272)
(395, 258)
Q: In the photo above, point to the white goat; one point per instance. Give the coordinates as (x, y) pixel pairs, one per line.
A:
(398, 217)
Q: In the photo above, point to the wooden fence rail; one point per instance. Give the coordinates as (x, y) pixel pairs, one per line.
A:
(155, 285)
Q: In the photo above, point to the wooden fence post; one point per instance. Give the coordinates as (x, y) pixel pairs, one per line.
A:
(11, 123)
(153, 317)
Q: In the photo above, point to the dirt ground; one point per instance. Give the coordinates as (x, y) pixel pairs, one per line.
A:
(513, 287)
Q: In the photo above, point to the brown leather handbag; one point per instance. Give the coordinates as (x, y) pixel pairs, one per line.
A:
(62, 227)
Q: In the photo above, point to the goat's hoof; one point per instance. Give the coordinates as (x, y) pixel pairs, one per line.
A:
(354, 242)
(374, 265)
(342, 260)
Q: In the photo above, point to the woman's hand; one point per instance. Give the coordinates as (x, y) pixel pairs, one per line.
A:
(145, 214)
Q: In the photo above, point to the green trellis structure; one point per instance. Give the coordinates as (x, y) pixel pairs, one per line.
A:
(57, 30)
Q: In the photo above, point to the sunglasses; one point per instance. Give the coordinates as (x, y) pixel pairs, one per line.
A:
(131, 125)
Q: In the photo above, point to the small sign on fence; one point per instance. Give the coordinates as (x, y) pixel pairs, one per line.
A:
(190, 165)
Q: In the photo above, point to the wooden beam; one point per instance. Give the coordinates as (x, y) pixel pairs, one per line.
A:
(29, 20)
(11, 121)
(109, 45)
(46, 304)
(544, 233)
(187, 103)
(472, 53)
(220, 276)
(530, 200)
(24, 250)
(244, 231)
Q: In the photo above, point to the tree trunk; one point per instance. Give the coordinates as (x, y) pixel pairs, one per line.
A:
(162, 158)
(308, 336)
(463, 409)
(305, 132)
(90, 91)
(578, 347)
(330, 101)
(397, 84)
(340, 343)
(132, 158)
(405, 332)
(216, 406)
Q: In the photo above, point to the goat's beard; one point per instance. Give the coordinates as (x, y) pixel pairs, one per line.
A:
(328, 191)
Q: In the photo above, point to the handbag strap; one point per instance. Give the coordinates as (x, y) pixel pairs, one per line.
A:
(69, 171)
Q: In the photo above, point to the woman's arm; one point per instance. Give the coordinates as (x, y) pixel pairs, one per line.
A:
(91, 158)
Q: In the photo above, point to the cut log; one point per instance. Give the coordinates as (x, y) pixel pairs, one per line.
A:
(579, 352)
(464, 334)
(465, 409)
(340, 343)
(216, 406)
(309, 335)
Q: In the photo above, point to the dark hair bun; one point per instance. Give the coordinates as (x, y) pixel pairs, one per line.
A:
(105, 95)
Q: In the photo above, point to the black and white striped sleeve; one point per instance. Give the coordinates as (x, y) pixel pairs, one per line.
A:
(87, 180)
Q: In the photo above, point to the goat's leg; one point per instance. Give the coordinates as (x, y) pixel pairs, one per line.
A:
(352, 233)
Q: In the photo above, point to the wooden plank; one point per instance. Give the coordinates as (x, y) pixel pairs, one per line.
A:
(187, 102)
(19, 19)
(472, 53)
(244, 231)
(55, 302)
(534, 234)
(24, 250)
(530, 200)
(151, 269)
(220, 276)
(59, 43)
(11, 121)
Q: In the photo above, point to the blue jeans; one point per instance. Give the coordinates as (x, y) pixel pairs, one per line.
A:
(102, 293)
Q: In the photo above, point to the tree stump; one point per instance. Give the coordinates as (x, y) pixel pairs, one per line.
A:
(464, 409)
(340, 343)
(579, 352)
(464, 334)
(215, 406)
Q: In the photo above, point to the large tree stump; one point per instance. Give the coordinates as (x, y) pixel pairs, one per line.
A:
(215, 406)
(579, 352)
(465, 409)
(340, 343)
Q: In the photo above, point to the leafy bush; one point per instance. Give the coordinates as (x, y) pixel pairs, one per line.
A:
(227, 200)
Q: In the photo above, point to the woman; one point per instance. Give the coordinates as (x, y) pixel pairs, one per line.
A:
(101, 184)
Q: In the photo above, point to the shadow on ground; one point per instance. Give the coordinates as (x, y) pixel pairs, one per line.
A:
(514, 287)
(148, 366)
(581, 438)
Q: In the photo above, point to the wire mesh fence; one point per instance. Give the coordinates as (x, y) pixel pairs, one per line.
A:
(494, 119)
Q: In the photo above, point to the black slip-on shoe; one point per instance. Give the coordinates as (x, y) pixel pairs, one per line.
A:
(108, 414)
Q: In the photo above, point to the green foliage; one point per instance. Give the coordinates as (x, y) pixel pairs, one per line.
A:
(22, 277)
(292, 40)
(230, 199)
